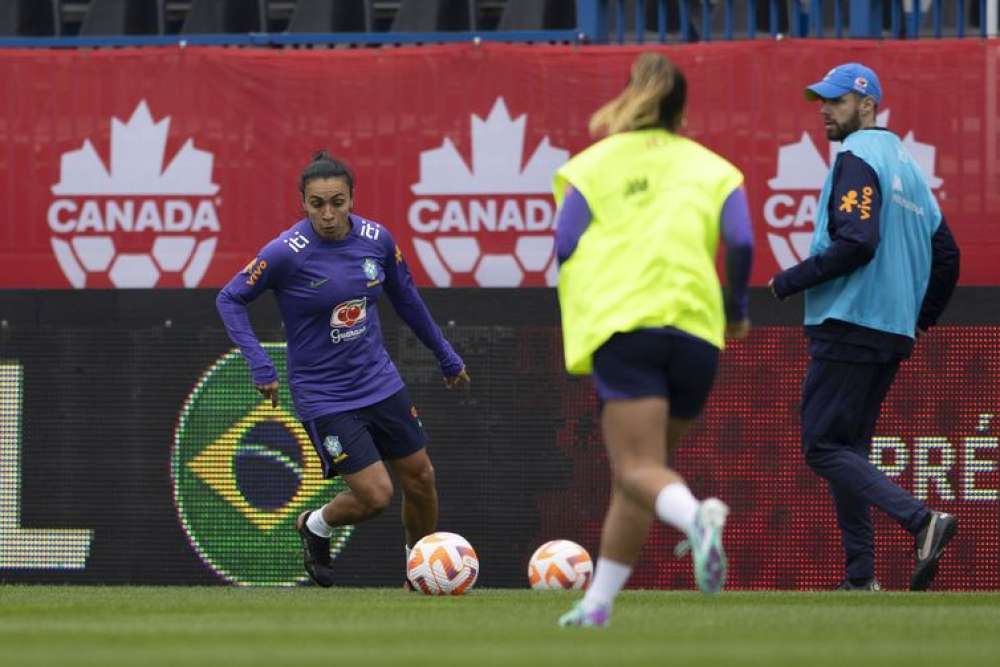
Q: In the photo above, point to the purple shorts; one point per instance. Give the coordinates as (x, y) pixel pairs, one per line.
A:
(657, 362)
(347, 442)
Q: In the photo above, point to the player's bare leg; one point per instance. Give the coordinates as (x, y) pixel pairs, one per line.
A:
(676, 430)
(626, 527)
(638, 436)
(705, 535)
(635, 438)
(368, 494)
(638, 464)
(420, 502)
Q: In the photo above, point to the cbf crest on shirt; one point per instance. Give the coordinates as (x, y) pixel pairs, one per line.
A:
(370, 267)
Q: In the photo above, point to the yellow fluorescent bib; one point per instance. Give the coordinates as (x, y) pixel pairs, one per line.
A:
(647, 259)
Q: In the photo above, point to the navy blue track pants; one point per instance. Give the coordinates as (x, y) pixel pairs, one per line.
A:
(840, 406)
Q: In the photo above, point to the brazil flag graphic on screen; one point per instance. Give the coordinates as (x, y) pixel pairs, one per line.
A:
(242, 473)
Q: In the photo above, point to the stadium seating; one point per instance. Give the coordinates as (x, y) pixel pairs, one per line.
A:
(225, 16)
(538, 15)
(949, 17)
(494, 19)
(30, 18)
(331, 16)
(762, 19)
(123, 17)
(433, 16)
(650, 33)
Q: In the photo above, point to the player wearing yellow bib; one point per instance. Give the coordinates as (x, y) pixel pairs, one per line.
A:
(641, 213)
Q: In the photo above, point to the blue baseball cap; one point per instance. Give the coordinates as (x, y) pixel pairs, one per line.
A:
(846, 78)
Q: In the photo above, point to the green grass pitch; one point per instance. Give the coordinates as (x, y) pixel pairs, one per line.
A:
(151, 626)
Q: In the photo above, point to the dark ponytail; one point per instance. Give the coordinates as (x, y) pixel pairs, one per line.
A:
(324, 166)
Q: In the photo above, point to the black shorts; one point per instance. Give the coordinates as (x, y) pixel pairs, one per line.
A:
(347, 442)
(657, 362)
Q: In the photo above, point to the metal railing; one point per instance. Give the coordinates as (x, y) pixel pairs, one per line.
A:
(634, 21)
(618, 21)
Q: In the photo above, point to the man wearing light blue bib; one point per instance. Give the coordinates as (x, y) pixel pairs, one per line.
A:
(882, 266)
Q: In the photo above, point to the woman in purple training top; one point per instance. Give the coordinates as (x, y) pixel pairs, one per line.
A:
(327, 272)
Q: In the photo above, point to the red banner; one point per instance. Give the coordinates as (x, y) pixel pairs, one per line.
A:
(170, 167)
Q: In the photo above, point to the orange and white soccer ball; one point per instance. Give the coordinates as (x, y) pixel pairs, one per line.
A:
(443, 564)
(558, 565)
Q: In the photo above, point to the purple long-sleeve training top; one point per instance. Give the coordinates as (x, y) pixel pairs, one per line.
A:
(327, 292)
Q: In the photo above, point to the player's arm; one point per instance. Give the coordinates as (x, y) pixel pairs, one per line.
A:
(737, 234)
(232, 301)
(572, 221)
(853, 224)
(945, 264)
(411, 308)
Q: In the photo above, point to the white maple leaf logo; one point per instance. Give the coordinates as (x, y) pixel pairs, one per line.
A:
(96, 204)
(497, 147)
(137, 156)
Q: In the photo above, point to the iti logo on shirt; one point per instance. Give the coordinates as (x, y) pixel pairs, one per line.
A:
(242, 473)
(790, 211)
(490, 225)
(143, 222)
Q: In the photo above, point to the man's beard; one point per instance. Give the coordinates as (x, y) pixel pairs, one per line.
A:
(839, 131)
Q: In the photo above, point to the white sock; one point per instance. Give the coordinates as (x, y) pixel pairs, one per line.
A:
(609, 579)
(317, 525)
(676, 506)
